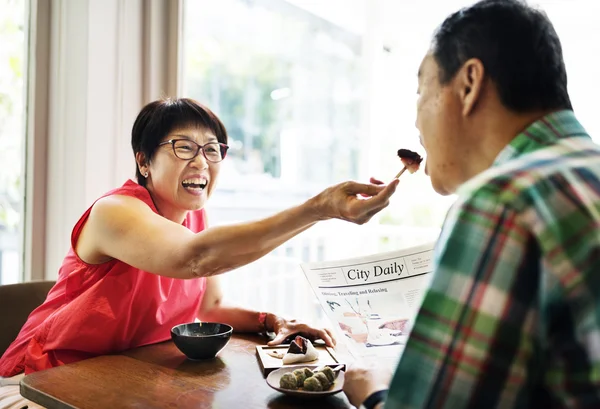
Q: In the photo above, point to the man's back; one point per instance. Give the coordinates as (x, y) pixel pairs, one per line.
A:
(513, 315)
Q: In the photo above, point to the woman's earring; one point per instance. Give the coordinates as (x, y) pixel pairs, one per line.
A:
(146, 174)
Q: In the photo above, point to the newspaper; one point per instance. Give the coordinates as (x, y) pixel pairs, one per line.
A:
(372, 301)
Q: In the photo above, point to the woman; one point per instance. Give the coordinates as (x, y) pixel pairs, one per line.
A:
(142, 259)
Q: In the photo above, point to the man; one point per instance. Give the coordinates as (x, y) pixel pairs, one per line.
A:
(512, 318)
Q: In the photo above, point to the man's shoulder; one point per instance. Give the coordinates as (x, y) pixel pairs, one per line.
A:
(572, 164)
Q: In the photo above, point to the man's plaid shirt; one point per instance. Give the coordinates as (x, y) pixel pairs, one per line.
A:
(512, 318)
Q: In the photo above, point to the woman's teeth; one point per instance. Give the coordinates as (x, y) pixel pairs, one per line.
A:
(194, 184)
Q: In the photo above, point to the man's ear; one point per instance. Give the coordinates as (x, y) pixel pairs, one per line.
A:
(140, 158)
(469, 82)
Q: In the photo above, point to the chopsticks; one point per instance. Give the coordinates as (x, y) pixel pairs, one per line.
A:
(336, 369)
(400, 173)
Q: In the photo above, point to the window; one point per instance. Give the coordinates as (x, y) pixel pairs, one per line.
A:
(12, 94)
(287, 99)
(288, 84)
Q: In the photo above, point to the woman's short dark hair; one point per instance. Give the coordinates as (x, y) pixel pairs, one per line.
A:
(159, 118)
(518, 48)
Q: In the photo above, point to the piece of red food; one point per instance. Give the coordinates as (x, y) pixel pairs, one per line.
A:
(411, 160)
(298, 345)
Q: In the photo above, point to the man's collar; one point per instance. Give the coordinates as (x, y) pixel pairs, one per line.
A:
(542, 133)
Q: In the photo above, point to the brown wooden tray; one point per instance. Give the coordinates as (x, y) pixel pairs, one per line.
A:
(268, 363)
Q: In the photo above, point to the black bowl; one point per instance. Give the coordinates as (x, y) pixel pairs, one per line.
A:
(201, 340)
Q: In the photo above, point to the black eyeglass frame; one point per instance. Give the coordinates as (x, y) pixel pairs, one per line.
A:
(222, 147)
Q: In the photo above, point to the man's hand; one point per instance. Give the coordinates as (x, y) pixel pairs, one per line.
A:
(361, 380)
(352, 201)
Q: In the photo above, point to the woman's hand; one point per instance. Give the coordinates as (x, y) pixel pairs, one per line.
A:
(352, 201)
(284, 328)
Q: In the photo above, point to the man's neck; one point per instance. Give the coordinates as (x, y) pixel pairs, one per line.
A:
(496, 132)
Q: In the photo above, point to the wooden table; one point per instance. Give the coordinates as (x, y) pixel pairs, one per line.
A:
(160, 376)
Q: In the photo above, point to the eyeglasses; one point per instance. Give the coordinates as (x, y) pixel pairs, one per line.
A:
(188, 150)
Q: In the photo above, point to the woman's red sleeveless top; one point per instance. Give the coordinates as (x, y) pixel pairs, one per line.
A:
(105, 308)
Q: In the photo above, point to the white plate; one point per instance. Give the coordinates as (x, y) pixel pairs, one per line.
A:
(274, 377)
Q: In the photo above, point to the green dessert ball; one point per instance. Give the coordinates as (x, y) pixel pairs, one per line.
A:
(288, 381)
(312, 384)
(329, 373)
(300, 376)
(322, 378)
(308, 372)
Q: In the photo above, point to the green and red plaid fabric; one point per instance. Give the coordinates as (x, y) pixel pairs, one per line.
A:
(512, 317)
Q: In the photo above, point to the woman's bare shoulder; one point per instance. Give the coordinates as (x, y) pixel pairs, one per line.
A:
(109, 216)
(119, 209)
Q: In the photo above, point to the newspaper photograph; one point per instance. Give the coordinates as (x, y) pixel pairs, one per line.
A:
(371, 301)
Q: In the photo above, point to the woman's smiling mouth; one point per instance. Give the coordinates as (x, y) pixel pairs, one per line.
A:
(194, 185)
